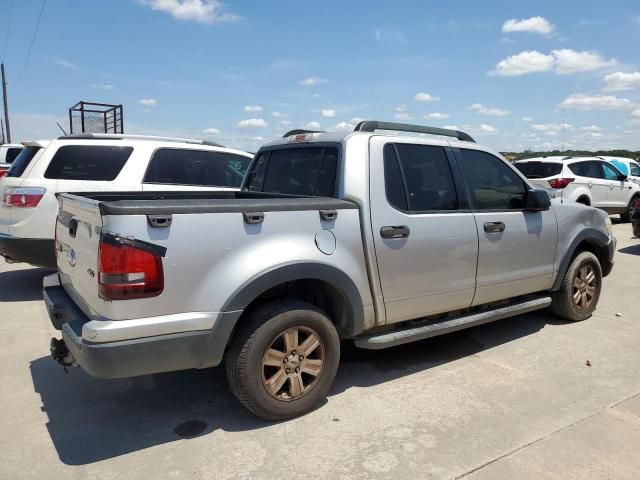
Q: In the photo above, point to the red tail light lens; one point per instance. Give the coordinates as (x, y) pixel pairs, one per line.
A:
(28, 197)
(3, 172)
(560, 182)
(126, 271)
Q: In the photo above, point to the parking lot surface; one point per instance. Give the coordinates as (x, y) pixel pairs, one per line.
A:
(528, 397)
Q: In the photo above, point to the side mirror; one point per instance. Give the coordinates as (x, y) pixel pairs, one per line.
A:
(537, 201)
(623, 177)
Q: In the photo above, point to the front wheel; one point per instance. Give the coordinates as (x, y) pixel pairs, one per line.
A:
(579, 292)
(283, 362)
(626, 216)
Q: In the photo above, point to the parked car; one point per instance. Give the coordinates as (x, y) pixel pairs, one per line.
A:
(589, 180)
(98, 162)
(375, 236)
(628, 166)
(8, 153)
(635, 220)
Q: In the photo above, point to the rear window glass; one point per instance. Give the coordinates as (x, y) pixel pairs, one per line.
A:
(88, 162)
(12, 153)
(538, 169)
(308, 171)
(196, 167)
(22, 161)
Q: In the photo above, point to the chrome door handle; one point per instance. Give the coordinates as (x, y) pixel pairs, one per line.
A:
(590, 184)
(494, 227)
(399, 231)
(610, 187)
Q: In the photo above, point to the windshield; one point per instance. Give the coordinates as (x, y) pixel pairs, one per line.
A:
(539, 169)
(308, 171)
(22, 161)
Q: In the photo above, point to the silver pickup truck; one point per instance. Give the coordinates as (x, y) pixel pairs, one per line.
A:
(382, 236)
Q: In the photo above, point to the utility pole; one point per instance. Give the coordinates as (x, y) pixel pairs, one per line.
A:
(1, 131)
(6, 106)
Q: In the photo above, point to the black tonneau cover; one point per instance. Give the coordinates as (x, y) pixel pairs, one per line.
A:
(157, 203)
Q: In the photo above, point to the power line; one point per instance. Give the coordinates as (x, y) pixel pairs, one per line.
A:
(33, 39)
(6, 37)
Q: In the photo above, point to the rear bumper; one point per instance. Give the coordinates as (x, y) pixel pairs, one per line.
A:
(36, 251)
(139, 356)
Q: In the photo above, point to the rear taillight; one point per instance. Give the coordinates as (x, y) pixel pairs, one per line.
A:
(3, 172)
(127, 271)
(560, 182)
(25, 197)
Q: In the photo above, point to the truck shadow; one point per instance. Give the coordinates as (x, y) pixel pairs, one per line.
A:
(23, 285)
(92, 420)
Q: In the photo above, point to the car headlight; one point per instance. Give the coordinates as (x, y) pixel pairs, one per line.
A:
(609, 225)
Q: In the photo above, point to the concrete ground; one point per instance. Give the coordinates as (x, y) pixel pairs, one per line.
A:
(529, 397)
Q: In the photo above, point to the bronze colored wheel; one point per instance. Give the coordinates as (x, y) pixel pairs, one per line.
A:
(283, 360)
(293, 363)
(578, 295)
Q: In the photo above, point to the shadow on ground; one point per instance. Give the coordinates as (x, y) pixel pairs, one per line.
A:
(631, 250)
(22, 285)
(92, 420)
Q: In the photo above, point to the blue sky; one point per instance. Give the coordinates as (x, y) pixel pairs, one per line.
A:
(244, 72)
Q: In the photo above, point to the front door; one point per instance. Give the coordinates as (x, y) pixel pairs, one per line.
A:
(426, 244)
(516, 248)
(618, 189)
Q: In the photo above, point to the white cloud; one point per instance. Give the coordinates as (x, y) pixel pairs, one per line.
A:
(528, 61)
(487, 128)
(252, 108)
(211, 131)
(563, 61)
(105, 86)
(591, 128)
(312, 126)
(66, 64)
(482, 110)
(425, 97)
(620, 81)
(550, 127)
(202, 11)
(436, 116)
(312, 81)
(527, 119)
(595, 102)
(258, 139)
(279, 114)
(148, 102)
(401, 108)
(533, 25)
(450, 127)
(571, 61)
(329, 113)
(253, 122)
(403, 116)
(284, 123)
(390, 38)
(344, 127)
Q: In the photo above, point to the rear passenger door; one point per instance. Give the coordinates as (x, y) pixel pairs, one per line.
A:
(425, 238)
(516, 248)
(175, 169)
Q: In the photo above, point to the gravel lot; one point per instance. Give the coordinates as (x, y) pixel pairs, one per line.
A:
(529, 397)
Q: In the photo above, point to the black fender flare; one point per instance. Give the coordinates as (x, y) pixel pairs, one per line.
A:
(589, 233)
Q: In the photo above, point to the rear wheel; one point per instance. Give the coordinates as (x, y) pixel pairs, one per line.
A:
(584, 201)
(284, 361)
(579, 292)
(626, 216)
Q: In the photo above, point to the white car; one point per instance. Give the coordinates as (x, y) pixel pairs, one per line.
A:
(8, 153)
(101, 162)
(628, 166)
(590, 180)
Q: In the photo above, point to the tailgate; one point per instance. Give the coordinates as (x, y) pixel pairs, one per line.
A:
(78, 230)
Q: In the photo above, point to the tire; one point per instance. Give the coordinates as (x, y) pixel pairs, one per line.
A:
(254, 376)
(626, 217)
(584, 201)
(564, 302)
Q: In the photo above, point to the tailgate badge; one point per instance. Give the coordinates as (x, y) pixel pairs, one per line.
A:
(71, 257)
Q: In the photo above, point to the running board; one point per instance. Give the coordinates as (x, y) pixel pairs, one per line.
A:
(413, 333)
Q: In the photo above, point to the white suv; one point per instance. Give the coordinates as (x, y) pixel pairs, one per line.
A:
(8, 153)
(589, 180)
(628, 166)
(99, 162)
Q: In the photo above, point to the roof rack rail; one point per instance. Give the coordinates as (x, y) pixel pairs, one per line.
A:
(583, 156)
(117, 136)
(300, 131)
(373, 125)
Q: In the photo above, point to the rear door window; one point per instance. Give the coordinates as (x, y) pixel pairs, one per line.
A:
(539, 169)
(591, 169)
(307, 171)
(22, 161)
(12, 153)
(173, 166)
(88, 162)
